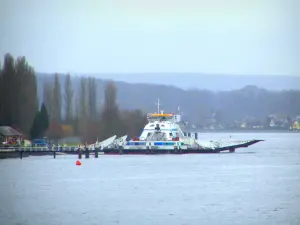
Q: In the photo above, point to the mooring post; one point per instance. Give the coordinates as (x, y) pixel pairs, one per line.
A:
(96, 152)
(87, 153)
(232, 150)
(21, 154)
(54, 154)
(79, 153)
(120, 150)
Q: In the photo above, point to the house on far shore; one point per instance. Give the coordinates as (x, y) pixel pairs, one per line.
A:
(10, 135)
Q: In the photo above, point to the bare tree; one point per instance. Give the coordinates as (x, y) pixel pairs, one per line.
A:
(83, 114)
(19, 94)
(1, 96)
(69, 94)
(83, 98)
(27, 98)
(57, 99)
(110, 119)
(92, 98)
(48, 99)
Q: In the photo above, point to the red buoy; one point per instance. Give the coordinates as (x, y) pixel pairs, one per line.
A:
(78, 163)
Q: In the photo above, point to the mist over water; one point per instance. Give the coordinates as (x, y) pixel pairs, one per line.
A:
(255, 185)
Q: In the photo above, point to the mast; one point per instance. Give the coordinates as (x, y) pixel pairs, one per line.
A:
(158, 104)
(178, 109)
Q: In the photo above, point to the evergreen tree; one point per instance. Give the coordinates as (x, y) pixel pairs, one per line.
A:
(44, 117)
(40, 123)
(35, 131)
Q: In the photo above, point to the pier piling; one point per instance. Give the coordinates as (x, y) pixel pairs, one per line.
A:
(96, 152)
(21, 154)
(231, 150)
(120, 150)
(54, 154)
(87, 153)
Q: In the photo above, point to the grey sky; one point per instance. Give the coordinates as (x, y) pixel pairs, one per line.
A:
(106, 36)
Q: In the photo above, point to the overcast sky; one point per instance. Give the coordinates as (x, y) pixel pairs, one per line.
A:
(107, 36)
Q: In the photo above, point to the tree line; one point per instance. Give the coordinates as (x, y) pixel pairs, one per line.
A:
(61, 105)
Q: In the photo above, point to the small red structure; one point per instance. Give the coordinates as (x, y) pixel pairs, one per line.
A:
(135, 139)
(78, 163)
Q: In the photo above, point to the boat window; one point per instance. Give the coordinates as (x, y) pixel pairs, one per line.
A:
(170, 134)
(148, 134)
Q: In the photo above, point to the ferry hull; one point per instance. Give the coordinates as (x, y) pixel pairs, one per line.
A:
(155, 151)
(230, 148)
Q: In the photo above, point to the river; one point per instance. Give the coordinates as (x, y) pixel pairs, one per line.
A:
(255, 185)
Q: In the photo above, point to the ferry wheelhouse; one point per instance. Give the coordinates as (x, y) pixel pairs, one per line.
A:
(161, 132)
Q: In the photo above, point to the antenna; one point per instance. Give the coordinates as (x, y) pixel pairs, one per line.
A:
(158, 104)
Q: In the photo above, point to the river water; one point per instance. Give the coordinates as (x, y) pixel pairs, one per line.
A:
(255, 185)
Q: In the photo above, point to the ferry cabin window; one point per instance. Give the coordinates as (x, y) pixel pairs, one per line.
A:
(170, 134)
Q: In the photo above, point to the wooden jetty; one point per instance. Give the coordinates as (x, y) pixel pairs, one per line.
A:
(11, 152)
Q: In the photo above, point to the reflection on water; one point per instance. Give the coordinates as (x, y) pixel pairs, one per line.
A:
(256, 185)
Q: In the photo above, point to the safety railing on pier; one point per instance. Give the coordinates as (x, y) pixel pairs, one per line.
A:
(42, 149)
(23, 151)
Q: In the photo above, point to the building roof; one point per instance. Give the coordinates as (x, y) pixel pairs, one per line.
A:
(8, 131)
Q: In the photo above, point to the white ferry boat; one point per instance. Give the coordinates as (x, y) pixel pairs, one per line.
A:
(163, 134)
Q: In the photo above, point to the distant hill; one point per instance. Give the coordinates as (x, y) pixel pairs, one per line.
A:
(212, 82)
(236, 97)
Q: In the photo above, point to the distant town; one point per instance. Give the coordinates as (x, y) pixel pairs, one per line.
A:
(272, 122)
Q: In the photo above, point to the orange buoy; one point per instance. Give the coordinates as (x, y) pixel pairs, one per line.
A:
(78, 163)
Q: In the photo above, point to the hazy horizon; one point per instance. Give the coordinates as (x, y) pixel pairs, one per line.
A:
(170, 73)
(257, 37)
(210, 82)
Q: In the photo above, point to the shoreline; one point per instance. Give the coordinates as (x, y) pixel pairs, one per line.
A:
(241, 131)
(11, 155)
